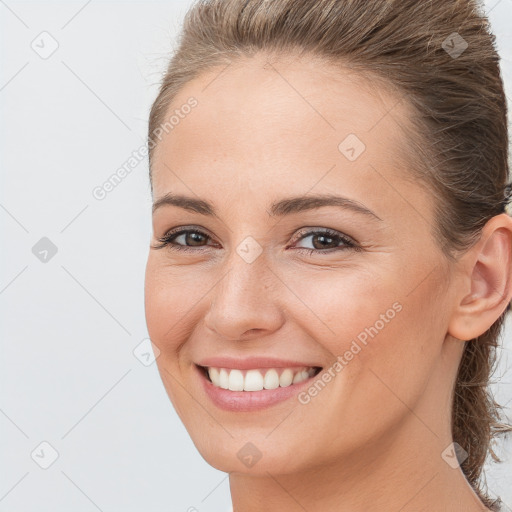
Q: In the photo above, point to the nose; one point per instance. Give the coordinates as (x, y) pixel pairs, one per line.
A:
(245, 304)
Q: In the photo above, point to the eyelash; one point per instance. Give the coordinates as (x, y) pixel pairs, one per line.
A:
(166, 241)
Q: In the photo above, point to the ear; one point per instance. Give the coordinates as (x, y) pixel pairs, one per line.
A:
(486, 280)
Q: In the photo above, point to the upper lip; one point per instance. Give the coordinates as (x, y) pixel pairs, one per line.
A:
(252, 362)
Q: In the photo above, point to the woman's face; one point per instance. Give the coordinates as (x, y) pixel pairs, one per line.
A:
(259, 277)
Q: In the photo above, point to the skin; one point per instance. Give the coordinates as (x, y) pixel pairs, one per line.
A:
(266, 129)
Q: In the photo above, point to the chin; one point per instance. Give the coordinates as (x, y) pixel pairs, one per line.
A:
(254, 454)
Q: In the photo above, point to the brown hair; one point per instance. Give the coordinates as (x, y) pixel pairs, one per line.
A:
(441, 56)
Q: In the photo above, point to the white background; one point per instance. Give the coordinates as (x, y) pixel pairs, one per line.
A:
(69, 326)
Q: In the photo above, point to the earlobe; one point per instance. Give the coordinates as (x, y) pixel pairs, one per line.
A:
(487, 281)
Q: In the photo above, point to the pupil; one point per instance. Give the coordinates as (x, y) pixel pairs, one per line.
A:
(195, 237)
(322, 237)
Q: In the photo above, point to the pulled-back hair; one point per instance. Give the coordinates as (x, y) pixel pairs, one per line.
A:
(440, 55)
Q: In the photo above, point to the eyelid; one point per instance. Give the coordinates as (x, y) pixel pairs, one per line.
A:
(311, 230)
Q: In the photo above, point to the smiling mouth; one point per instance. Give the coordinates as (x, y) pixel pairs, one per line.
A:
(257, 379)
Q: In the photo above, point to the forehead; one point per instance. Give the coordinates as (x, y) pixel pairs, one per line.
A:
(265, 122)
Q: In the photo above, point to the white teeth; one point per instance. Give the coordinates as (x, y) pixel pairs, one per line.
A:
(257, 380)
(300, 376)
(253, 381)
(236, 380)
(286, 378)
(214, 376)
(223, 379)
(271, 379)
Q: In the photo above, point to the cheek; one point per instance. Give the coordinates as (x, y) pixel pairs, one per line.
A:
(171, 297)
(383, 339)
(387, 376)
(390, 309)
(335, 305)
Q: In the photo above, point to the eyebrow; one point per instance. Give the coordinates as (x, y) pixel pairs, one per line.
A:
(287, 206)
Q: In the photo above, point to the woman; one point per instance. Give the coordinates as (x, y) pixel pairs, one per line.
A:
(331, 257)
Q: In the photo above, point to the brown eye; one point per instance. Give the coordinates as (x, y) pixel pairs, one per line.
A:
(326, 241)
(323, 241)
(194, 238)
(184, 239)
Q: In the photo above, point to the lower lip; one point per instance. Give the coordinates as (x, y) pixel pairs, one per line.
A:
(246, 401)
